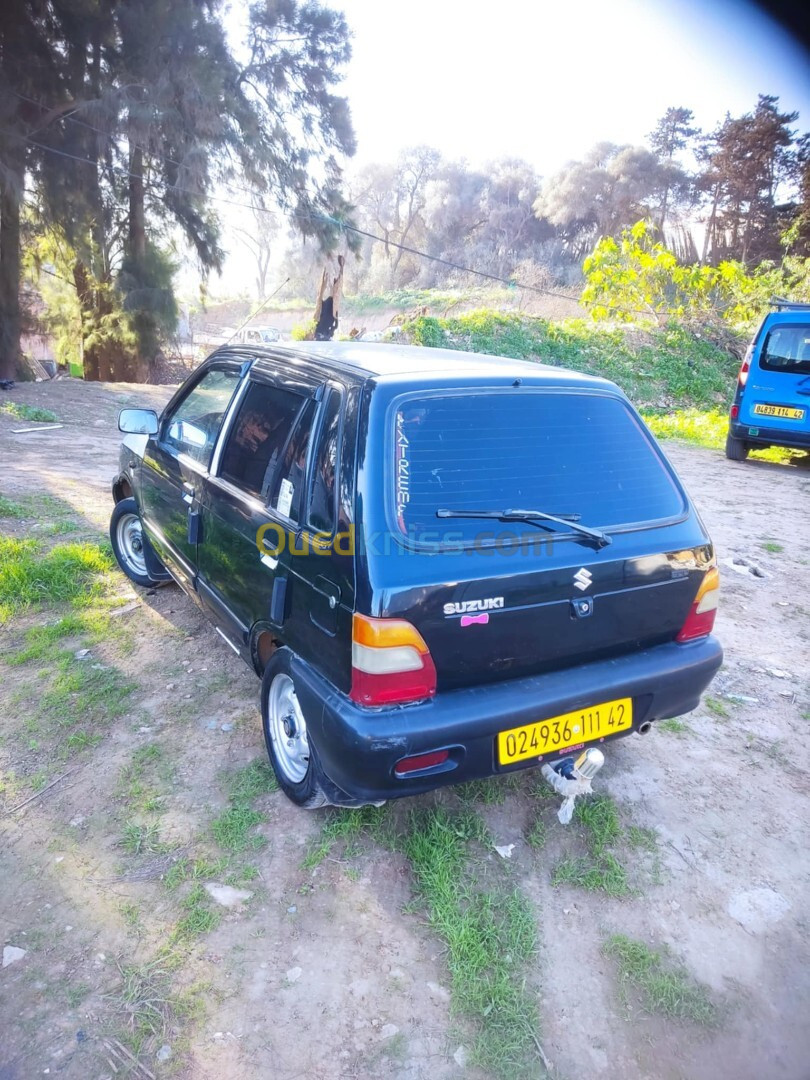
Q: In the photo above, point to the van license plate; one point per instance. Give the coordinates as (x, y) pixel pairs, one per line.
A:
(554, 735)
(782, 411)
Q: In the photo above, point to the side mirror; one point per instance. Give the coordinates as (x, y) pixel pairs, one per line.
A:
(138, 421)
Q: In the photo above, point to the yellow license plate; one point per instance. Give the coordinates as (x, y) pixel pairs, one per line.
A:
(781, 411)
(559, 733)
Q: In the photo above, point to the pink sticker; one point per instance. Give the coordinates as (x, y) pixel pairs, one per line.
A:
(469, 620)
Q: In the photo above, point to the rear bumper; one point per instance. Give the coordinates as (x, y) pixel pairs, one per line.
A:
(793, 440)
(358, 748)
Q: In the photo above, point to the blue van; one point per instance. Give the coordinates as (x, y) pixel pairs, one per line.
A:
(772, 402)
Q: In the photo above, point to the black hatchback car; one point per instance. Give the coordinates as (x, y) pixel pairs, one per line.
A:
(441, 565)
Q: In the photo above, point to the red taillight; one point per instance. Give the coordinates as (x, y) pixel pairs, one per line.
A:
(734, 412)
(421, 761)
(391, 663)
(700, 620)
(745, 367)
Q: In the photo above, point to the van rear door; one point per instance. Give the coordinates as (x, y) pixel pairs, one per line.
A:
(777, 391)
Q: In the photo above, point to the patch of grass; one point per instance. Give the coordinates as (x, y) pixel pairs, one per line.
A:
(348, 825)
(79, 692)
(232, 829)
(76, 993)
(708, 428)
(674, 726)
(253, 780)
(200, 917)
(131, 914)
(490, 938)
(30, 576)
(600, 870)
(489, 792)
(771, 546)
(664, 986)
(716, 707)
(81, 740)
(148, 1006)
(641, 838)
(192, 870)
(600, 873)
(537, 834)
(41, 641)
(138, 838)
(29, 412)
(10, 509)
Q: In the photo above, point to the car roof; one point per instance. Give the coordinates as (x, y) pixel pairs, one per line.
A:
(415, 364)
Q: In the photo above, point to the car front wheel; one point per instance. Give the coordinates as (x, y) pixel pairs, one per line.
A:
(128, 542)
(292, 755)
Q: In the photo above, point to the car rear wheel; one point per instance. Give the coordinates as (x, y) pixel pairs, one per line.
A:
(736, 449)
(289, 746)
(128, 542)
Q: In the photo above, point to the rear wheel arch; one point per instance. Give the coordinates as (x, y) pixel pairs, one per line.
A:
(264, 643)
(122, 489)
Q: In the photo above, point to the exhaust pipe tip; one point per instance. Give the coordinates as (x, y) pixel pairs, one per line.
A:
(645, 728)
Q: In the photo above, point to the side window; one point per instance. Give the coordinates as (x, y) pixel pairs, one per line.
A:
(321, 510)
(193, 427)
(787, 348)
(291, 478)
(258, 437)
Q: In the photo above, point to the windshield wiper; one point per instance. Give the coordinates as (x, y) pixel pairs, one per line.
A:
(532, 517)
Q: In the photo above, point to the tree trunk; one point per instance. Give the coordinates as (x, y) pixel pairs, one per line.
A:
(87, 303)
(10, 319)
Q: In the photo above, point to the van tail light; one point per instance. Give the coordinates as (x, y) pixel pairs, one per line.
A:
(391, 663)
(700, 620)
(734, 412)
(745, 367)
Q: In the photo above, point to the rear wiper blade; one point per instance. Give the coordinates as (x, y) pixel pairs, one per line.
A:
(532, 517)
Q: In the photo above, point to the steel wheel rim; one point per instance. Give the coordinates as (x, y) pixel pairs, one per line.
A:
(288, 729)
(130, 543)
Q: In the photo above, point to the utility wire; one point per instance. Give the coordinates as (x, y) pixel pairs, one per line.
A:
(261, 307)
(342, 225)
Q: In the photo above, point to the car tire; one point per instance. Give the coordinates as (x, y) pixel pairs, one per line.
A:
(127, 539)
(289, 746)
(736, 449)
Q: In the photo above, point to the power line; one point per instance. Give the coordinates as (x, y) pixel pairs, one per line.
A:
(342, 225)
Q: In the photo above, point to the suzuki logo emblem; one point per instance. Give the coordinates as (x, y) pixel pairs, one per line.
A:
(582, 579)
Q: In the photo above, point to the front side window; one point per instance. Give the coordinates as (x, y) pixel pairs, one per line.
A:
(578, 454)
(787, 348)
(258, 437)
(193, 427)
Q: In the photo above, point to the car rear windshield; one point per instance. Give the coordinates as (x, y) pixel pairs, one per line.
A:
(787, 348)
(562, 453)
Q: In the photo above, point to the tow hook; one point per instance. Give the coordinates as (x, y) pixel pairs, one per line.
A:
(572, 777)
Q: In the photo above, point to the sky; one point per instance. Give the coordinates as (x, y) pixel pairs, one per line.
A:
(545, 80)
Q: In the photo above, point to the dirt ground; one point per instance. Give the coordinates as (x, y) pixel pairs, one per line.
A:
(329, 972)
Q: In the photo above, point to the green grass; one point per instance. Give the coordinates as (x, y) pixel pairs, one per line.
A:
(75, 994)
(81, 693)
(669, 363)
(139, 838)
(253, 780)
(708, 428)
(67, 573)
(348, 825)
(674, 726)
(716, 707)
(28, 412)
(90, 624)
(490, 939)
(537, 834)
(10, 509)
(662, 985)
(233, 829)
(193, 870)
(600, 870)
(771, 546)
(200, 917)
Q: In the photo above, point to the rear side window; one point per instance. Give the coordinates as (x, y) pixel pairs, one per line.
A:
(321, 515)
(562, 453)
(258, 437)
(290, 482)
(787, 348)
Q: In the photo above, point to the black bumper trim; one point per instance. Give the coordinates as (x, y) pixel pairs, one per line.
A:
(359, 747)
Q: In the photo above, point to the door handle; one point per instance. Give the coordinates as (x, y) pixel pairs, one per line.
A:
(188, 492)
(188, 499)
(268, 560)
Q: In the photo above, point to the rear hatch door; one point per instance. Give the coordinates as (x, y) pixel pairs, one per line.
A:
(497, 600)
